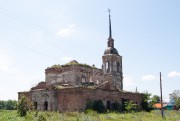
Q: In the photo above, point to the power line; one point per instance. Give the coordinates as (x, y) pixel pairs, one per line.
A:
(23, 32)
(71, 44)
(39, 28)
(31, 50)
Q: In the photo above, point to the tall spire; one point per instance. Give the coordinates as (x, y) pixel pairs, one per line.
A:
(110, 39)
(110, 33)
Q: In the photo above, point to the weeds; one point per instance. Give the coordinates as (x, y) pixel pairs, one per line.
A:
(90, 115)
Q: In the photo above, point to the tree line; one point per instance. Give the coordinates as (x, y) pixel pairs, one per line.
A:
(8, 105)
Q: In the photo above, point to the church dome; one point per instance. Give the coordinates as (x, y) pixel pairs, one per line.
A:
(111, 50)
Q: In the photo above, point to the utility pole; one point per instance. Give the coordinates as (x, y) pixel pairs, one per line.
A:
(161, 97)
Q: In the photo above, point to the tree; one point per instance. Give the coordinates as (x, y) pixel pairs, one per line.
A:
(176, 96)
(23, 106)
(11, 105)
(2, 104)
(154, 99)
(8, 105)
(146, 102)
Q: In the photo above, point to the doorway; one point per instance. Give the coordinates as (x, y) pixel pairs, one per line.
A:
(45, 105)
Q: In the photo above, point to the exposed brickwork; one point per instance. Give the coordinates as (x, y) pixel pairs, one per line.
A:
(63, 90)
(75, 99)
(26, 94)
(68, 87)
(73, 75)
(41, 85)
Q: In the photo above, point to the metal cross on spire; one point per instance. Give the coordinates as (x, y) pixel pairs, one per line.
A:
(110, 32)
(109, 11)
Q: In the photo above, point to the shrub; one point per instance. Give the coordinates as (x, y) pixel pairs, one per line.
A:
(99, 106)
(96, 105)
(56, 66)
(115, 106)
(130, 106)
(23, 106)
(89, 104)
(146, 102)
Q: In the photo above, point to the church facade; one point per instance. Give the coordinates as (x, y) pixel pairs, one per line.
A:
(70, 86)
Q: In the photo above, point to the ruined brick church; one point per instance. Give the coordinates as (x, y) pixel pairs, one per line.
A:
(70, 86)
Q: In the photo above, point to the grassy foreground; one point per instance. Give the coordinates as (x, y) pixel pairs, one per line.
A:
(90, 116)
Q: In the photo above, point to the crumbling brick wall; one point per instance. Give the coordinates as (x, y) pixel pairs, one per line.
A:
(75, 99)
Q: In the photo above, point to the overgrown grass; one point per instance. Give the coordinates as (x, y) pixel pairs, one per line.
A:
(90, 116)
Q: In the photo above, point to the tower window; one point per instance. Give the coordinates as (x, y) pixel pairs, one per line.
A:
(107, 66)
(114, 81)
(83, 80)
(90, 79)
(118, 66)
(97, 81)
(115, 66)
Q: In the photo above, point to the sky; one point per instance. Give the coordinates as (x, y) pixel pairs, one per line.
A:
(35, 35)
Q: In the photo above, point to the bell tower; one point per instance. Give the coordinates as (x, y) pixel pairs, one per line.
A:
(112, 61)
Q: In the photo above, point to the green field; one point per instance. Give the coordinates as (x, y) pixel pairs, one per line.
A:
(90, 116)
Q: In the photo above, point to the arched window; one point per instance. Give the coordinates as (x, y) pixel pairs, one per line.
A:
(115, 66)
(45, 105)
(114, 81)
(97, 82)
(83, 80)
(118, 66)
(90, 79)
(35, 105)
(107, 66)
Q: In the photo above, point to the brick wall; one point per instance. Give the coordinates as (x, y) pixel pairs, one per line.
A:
(75, 99)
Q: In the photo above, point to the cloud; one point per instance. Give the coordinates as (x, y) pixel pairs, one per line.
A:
(128, 81)
(149, 77)
(66, 59)
(174, 74)
(66, 31)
